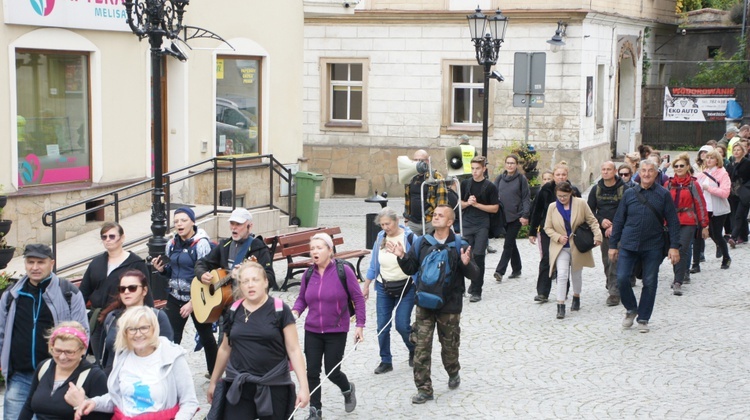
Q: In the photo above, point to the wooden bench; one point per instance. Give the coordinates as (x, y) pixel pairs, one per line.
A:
(293, 246)
(273, 241)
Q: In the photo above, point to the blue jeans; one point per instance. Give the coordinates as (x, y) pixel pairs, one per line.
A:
(385, 305)
(17, 390)
(651, 260)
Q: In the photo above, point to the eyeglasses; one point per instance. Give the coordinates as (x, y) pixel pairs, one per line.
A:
(130, 288)
(563, 197)
(624, 174)
(111, 237)
(511, 163)
(679, 166)
(67, 353)
(143, 330)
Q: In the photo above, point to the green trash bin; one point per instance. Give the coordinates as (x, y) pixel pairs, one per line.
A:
(308, 197)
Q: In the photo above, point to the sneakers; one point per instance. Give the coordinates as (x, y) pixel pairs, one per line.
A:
(613, 300)
(454, 381)
(421, 398)
(411, 358)
(498, 277)
(540, 299)
(643, 327)
(725, 263)
(383, 368)
(350, 399)
(629, 318)
(696, 268)
(491, 250)
(677, 289)
(515, 275)
(315, 414)
(475, 298)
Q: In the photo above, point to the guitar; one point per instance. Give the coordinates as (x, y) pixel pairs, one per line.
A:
(209, 300)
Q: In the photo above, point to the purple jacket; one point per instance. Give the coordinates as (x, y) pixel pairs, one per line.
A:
(326, 301)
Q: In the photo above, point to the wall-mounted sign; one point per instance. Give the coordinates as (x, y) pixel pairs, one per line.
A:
(103, 15)
(696, 104)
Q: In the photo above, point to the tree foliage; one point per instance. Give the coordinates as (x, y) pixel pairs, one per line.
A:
(683, 6)
(723, 71)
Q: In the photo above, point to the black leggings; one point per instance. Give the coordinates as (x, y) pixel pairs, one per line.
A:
(715, 224)
(330, 347)
(510, 249)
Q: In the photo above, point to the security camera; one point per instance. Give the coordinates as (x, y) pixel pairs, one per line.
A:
(176, 52)
(347, 4)
(683, 32)
(497, 76)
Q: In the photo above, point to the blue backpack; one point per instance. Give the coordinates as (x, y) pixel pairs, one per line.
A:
(435, 271)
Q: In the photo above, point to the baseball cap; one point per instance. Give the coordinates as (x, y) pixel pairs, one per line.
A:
(38, 251)
(705, 148)
(733, 129)
(241, 216)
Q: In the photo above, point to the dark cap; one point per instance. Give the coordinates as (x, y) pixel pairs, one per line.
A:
(38, 251)
(188, 211)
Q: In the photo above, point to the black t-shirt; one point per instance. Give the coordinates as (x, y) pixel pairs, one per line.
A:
(486, 193)
(32, 321)
(258, 344)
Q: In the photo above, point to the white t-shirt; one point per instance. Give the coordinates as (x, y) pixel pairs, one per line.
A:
(389, 268)
(142, 386)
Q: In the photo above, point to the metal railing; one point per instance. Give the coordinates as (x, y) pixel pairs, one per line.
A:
(114, 198)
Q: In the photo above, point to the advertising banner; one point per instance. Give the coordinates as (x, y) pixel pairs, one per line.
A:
(103, 15)
(696, 104)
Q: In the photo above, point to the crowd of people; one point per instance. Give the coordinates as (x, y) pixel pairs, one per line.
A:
(638, 213)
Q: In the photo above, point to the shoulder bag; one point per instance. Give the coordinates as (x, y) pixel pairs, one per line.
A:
(583, 238)
(665, 230)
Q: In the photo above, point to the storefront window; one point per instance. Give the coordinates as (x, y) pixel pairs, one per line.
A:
(53, 117)
(237, 106)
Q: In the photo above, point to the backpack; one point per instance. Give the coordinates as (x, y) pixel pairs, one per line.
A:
(278, 305)
(342, 276)
(192, 249)
(435, 272)
(66, 287)
(45, 366)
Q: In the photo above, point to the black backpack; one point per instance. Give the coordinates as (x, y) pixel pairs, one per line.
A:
(67, 288)
(342, 276)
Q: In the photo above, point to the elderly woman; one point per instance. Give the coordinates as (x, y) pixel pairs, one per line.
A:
(563, 218)
(393, 288)
(514, 196)
(99, 284)
(260, 340)
(187, 246)
(716, 187)
(691, 210)
(133, 290)
(326, 295)
(62, 382)
(150, 375)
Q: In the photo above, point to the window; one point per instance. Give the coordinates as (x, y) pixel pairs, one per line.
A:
(467, 99)
(599, 110)
(343, 88)
(53, 117)
(713, 52)
(237, 105)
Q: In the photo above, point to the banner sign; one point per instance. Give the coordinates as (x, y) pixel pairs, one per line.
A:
(696, 104)
(103, 15)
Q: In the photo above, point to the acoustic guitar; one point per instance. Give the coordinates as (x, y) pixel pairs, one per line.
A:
(209, 300)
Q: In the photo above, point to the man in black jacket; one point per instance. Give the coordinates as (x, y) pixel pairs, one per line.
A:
(447, 317)
(603, 200)
(225, 255)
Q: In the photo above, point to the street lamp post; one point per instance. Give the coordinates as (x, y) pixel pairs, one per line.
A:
(155, 20)
(487, 42)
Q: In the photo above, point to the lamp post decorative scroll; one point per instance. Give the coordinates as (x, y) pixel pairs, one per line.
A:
(487, 43)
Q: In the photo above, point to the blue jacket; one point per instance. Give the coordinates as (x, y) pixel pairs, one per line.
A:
(182, 258)
(636, 228)
(374, 270)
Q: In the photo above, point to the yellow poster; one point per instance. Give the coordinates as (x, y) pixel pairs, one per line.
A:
(248, 75)
(219, 68)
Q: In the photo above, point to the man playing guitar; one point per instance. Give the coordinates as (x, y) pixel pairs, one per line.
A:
(225, 255)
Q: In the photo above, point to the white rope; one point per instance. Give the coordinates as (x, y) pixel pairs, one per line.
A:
(393, 315)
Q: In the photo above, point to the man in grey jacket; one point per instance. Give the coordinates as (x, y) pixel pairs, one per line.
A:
(38, 302)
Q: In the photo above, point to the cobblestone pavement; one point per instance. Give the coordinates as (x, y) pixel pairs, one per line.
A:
(518, 361)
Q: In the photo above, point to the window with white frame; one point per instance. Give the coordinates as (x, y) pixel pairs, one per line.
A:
(238, 113)
(467, 95)
(343, 90)
(53, 103)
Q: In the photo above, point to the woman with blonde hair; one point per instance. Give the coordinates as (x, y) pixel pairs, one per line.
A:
(150, 375)
(61, 383)
(716, 188)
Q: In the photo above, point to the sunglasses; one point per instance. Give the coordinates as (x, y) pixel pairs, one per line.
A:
(624, 173)
(131, 288)
(679, 166)
(110, 236)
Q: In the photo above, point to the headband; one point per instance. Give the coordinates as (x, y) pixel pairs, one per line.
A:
(72, 331)
(325, 238)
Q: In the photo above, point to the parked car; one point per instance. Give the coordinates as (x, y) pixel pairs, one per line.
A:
(241, 133)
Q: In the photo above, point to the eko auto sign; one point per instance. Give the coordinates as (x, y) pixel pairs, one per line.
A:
(696, 104)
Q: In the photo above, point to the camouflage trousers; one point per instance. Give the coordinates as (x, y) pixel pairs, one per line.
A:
(449, 335)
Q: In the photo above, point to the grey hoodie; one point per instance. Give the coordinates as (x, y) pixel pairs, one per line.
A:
(513, 194)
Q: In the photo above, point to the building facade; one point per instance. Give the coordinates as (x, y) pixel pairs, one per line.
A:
(397, 76)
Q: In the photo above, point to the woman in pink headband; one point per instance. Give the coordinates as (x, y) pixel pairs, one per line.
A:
(64, 381)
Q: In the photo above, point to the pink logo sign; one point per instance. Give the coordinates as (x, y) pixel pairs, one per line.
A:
(43, 7)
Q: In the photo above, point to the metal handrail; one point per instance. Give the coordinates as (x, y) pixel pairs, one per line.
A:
(52, 218)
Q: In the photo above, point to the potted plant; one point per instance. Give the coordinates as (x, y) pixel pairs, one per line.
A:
(6, 252)
(534, 186)
(528, 158)
(6, 280)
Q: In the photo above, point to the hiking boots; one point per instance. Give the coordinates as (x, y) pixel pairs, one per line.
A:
(613, 300)
(629, 318)
(315, 414)
(475, 298)
(383, 368)
(421, 398)
(454, 381)
(540, 299)
(725, 263)
(696, 268)
(350, 399)
(643, 327)
(515, 275)
(677, 289)
(498, 277)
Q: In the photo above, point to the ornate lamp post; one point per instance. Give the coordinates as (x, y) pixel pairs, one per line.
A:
(487, 42)
(155, 20)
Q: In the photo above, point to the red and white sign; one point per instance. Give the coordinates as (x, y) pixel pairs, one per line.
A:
(696, 104)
